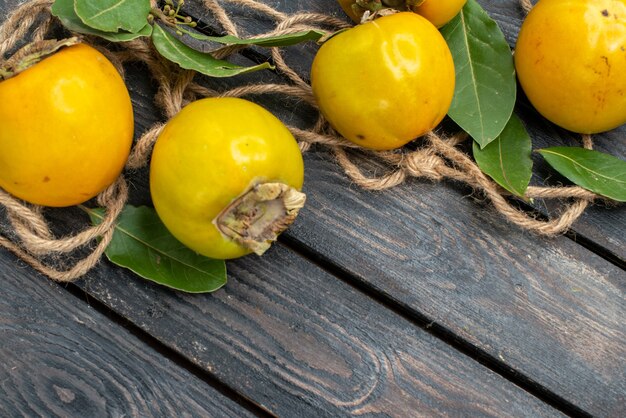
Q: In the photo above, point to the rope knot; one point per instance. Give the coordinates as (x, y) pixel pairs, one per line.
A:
(423, 163)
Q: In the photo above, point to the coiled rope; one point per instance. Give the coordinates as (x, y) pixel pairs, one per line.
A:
(438, 159)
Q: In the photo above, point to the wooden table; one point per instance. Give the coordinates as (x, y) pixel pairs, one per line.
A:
(416, 301)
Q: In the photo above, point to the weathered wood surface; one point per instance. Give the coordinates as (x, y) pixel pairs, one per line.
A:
(293, 338)
(459, 263)
(299, 341)
(62, 358)
(548, 308)
(433, 264)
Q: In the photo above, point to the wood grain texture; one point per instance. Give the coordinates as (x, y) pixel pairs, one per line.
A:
(300, 342)
(295, 339)
(61, 358)
(601, 224)
(547, 307)
(454, 260)
(544, 306)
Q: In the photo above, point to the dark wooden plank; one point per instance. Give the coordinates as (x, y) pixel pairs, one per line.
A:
(456, 261)
(395, 252)
(464, 267)
(300, 342)
(61, 358)
(449, 304)
(548, 308)
(602, 225)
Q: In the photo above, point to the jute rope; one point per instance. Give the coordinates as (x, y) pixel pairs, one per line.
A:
(438, 159)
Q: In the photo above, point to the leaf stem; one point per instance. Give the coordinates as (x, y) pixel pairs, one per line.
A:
(158, 13)
(171, 17)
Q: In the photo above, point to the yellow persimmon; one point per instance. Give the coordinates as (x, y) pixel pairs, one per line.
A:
(385, 82)
(570, 59)
(66, 128)
(224, 177)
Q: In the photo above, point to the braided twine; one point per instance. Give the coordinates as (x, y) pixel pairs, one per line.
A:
(438, 158)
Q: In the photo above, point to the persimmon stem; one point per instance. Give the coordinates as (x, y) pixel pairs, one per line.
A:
(256, 218)
(31, 54)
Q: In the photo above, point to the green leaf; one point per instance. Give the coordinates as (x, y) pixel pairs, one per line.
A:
(142, 244)
(601, 173)
(507, 159)
(485, 75)
(64, 10)
(188, 58)
(113, 15)
(268, 41)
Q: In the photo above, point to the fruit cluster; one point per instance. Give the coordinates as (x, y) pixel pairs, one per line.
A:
(225, 187)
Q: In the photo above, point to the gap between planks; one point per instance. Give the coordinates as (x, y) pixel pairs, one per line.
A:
(437, 330)
(167, 352)
(415, 317)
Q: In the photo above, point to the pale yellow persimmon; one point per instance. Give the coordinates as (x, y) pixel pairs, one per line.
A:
(219, 154)
(386, 82)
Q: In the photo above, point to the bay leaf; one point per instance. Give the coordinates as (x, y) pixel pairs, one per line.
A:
(485, 87)
(267, 41)
(64, 10)
(143, 244)
(113, 15)
(188, 58)
(601, 173)
(507, 159)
